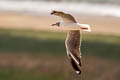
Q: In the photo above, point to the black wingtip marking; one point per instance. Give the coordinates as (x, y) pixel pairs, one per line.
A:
(74, 65)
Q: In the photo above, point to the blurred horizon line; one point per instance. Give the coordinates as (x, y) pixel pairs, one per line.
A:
(40, 7)
(90, 1)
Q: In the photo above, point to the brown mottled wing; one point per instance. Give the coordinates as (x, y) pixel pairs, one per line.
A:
(68, 18)
(64, 16)
(73, 43)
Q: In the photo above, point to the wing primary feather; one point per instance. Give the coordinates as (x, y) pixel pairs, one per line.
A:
(74, 58)
(76, 68)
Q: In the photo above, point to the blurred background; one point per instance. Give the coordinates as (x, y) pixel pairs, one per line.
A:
(30, 49)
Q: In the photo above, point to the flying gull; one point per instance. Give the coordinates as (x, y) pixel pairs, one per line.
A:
(73, 40)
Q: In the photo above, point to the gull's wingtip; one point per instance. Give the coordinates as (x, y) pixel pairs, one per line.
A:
(53, 12)
(78, 72)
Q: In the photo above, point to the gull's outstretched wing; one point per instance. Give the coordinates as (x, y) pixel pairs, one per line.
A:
(73, 41)
(65, 17)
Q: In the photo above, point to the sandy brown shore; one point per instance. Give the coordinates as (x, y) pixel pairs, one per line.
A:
(99, 24)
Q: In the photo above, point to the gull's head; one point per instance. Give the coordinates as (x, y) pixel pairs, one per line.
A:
(57, 13)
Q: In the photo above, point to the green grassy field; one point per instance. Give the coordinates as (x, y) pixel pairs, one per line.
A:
(41, 55)
(38, 42)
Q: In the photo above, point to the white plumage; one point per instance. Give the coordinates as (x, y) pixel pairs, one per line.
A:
(74, 26)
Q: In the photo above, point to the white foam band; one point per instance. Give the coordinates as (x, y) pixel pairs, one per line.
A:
(75, 26)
